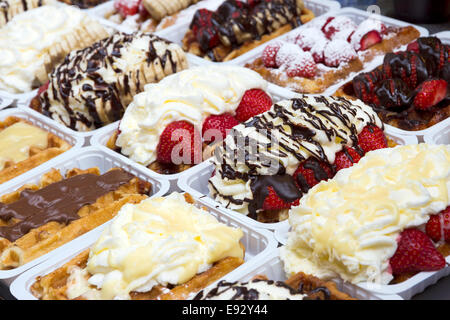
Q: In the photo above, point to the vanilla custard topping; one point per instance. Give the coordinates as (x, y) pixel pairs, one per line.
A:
(16, 140)
(348, 226)
(26, 40)
(159, 241)
(190, 95)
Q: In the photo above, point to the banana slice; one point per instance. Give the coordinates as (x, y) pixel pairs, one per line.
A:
(93, 87)
(11, 8)
(160, 9)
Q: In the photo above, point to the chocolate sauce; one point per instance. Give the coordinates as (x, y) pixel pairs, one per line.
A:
(241, 291)
(236, 22)
(105, 100)
(59, 201)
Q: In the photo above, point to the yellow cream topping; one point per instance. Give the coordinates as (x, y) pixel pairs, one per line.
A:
(16, 140)
(348, 226)
(158, 241)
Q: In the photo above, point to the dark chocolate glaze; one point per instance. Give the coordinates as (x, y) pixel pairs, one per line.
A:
(241, 291)
(288, 136)
(59, 201)
(104, 99)
(236, 22)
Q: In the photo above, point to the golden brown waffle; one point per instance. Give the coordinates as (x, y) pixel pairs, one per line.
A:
(41, 240)
(413, 120)
(37, 156)
(54, 285)
(325, 79)
(224, 53)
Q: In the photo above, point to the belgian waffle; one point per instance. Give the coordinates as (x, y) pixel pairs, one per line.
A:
(32, 231)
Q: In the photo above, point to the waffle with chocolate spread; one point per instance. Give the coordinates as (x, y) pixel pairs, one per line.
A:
(93, 86)
(237, 27)
(39, 218)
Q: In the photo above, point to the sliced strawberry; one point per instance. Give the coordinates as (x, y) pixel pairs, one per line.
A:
(371, 138)
(127, 7)
(430, 93)
(329, 19)
(204, 30)
(415, 253)
(369, 39)
(302, 66)
(254, 102)
(269, 55)
(220, 124)
(310, 172)
(413, 46)
(337, 52)
(43, 88)
(184, 135)
(438, 226)
(202, 18)
(365, 84)
(393, 93)
(274, 202)
(346, 158)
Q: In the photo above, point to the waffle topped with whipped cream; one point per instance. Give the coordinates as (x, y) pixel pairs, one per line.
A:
(267, 163)
(93, 86)
(10, 8)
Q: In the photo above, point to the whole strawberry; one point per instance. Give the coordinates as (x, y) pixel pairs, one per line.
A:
(372, 138)
(438, 226)
(415, 253)
(254, 102)
(269, 55)
(127, 7)
(274, 202)
(430, 93)
(346, 158)
(215, 125)
(183, 136)
(310, 172)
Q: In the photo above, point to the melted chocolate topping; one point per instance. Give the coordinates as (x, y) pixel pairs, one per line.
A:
(241, 291)
(59, 201)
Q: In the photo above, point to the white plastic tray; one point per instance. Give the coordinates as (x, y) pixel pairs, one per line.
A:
(357, 16)
(195, 181)
(43, 123)
(258, 244)
(87, 135)
(176, 33)
(272, 267)
(84, 158)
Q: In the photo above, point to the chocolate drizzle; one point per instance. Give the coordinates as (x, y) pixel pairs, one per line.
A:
(59, 201)
(236, 22)
(106, 89)
(244, 291)
(291, 129)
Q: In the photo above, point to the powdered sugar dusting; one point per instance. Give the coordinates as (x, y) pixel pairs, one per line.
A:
(363, 29)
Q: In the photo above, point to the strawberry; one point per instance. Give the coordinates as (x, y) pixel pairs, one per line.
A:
(269, 55)
(338, 51)
(365, 84)
(310, 172)
(394, 93)
(254, 102)
(329, 19)
(302, 66)
(369, 39)
(413, 46)
(221, 123)
(274, 202)
(430, 93)
(415, 253)
(438, 226)
(127, 7)
(204, 30)
(143, 13)
(337, 25)
(346, 158)
(168, 140)
(43, 88)
(371, 138)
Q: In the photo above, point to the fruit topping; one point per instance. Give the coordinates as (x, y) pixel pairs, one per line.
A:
(337, 25)
(346, 158)
(372, 138)
(367, 34)
(204, 30)
(337, 52)
(127, 7)
(430, 93)
(310, 172)
(302, 66)
(415, 253)
(269, 55)
(438, 227)
(254, 102)
(274, 202)
(215, 124)
(392, 93)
